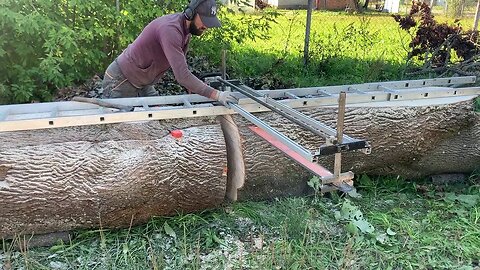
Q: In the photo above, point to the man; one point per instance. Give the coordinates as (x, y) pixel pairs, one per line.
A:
(162, 45)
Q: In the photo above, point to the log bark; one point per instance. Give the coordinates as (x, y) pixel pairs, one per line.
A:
(119, 175)
(108, 176)
(412, 142)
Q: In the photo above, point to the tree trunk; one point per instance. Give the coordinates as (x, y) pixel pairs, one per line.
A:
(307, 33)
(353, 6)
(119, 175)
(111, 176)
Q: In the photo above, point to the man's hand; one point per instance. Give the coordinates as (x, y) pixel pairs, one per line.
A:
(226, 97)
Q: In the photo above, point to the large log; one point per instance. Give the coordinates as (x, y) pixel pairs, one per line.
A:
(112, 176)
(119, 175)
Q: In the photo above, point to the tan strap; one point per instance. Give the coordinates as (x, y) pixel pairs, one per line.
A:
(113, 89)
(106, 73)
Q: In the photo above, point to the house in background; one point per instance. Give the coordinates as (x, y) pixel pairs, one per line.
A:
(250, 4)
(391, 6)
(332, 4)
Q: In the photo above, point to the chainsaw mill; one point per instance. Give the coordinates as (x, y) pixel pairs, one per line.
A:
(285, 102)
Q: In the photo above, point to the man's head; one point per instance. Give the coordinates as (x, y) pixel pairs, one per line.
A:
(203, 15)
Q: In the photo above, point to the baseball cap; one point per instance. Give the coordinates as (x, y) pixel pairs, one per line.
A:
(208, 13)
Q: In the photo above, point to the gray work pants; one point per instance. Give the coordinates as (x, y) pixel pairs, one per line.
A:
(115, 85)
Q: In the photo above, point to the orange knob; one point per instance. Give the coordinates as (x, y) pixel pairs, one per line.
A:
(177, 133)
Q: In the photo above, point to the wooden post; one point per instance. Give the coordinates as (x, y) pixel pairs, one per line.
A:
(340, 124)
(477, 17)
(307, 32)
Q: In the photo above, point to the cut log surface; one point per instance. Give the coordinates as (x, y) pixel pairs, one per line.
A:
(118, 175)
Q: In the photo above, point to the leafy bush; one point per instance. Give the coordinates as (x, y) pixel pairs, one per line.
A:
(234, 30)
(45, 46)
(438, 45)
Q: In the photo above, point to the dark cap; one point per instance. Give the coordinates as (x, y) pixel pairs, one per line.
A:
(208, 13)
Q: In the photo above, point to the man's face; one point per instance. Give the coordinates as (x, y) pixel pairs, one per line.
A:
(197, 27)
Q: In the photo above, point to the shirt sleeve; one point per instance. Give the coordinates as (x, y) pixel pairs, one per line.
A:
(171, 42)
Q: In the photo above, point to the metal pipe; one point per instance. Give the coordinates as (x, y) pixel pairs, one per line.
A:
(279, 136)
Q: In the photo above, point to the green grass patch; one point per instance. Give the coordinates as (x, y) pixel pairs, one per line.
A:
(343, 49)
(413, 226)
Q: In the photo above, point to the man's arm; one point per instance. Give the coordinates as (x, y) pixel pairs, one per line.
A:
(171, 42)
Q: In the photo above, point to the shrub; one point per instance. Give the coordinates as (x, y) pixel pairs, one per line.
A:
(440, 47)
(45, 46)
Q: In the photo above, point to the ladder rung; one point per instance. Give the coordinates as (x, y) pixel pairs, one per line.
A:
(291, 95)
(145, 105)
(356, 90)
(387, 90)
(324, 93)
(186, 103)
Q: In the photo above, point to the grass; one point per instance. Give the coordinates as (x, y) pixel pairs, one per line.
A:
(344, 48)
(416, 226)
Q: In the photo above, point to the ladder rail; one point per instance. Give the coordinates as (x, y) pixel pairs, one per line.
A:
(62, 114)
(368, 88)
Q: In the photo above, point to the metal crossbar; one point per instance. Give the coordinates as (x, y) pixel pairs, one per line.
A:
(334, 138)
(333, 146)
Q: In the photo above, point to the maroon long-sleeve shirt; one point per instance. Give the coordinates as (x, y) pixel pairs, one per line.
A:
(162, 44)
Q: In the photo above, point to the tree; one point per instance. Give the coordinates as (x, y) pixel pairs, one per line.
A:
(440, 47)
